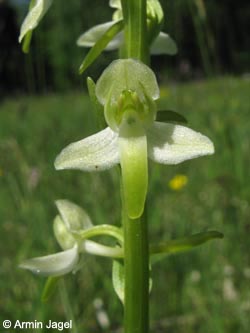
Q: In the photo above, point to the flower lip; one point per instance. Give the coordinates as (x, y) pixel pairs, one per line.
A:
(54, 264)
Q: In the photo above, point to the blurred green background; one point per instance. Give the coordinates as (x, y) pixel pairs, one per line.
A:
(212, 37)
(44, 106)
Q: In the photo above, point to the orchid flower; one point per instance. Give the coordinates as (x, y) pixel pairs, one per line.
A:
(38, 9)
(161, 43)
(128, 89)
(70, 227)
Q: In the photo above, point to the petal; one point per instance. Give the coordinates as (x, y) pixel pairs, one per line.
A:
(163, 44)
(34, 16)
(74, 217)
(173, 144)
(91, 36)
(52, 265)
(134, 165)
(115, 4)
(133, 75)
(94, 153)
(62, 234)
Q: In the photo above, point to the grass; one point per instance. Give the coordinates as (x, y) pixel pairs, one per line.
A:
(206, 290)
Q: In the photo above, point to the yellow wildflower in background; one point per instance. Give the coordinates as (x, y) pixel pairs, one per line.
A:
(178, 182)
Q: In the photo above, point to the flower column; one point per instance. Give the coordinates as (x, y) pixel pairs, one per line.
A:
(136, 256)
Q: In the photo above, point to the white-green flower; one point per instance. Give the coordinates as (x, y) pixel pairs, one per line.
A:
(128, 90)
(38, 9)
(70, 228)
(71, 218)
(160, 42)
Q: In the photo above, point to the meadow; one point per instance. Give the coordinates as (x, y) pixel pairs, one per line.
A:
(206, 290)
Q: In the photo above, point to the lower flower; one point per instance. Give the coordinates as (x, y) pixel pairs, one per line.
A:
(72, 228)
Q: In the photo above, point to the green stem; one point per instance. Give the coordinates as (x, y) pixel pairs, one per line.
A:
(136, 248)
(135, 28)
(136, 274)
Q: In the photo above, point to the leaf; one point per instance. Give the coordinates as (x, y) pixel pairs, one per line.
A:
(182, 244)
(49, 288)
(168, 116)
(91, 36)
(99, 110)
(100, 45)
(118, 279)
